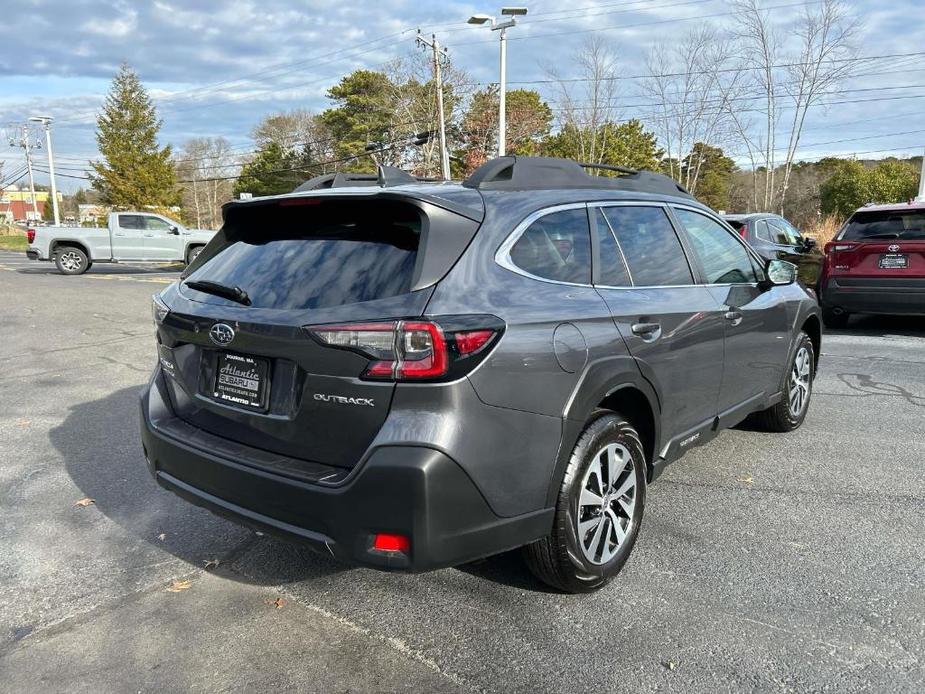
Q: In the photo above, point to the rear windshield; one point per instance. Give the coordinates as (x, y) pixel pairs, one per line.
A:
(886, 224)
(306, 256)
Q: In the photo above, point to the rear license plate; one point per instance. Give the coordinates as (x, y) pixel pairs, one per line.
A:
(241, 380)
(894, 261)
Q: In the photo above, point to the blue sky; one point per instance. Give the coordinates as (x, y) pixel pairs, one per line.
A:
(215, 68)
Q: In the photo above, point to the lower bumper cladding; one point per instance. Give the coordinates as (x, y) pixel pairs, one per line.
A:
(405, 508)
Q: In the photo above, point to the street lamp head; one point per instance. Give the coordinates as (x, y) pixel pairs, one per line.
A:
(514, 11)
(481, 19)
(41, 119)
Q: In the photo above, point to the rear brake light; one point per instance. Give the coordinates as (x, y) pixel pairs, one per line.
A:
(411, 350)
(30, 235)
(834, 247)
(388, 542)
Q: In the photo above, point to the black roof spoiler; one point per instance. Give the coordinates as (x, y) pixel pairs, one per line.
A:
(385, 177)
(544, 173)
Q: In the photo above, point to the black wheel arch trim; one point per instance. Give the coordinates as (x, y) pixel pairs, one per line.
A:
(600, 380)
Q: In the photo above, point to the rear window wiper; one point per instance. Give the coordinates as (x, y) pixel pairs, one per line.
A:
(233, 293)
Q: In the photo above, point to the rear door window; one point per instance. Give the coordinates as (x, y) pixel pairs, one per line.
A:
(612, 272)
(654, 255)
(307, 256)
(886, 224)
(131, 221)
(557, 247)
(723, 258)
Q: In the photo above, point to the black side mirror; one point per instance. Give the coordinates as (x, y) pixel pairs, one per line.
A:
(809, 243)
(174, 231)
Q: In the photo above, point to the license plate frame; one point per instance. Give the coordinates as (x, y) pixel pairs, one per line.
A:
(893, 261)
(241, 380)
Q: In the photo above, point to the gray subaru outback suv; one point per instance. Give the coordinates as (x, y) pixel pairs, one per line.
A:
(413, 375)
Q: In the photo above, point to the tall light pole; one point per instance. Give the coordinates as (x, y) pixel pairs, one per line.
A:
(502, 27)
(27, 147)
(46, 122)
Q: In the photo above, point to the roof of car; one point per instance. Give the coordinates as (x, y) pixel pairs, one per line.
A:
(894, 207)
(544, 181)
(748, 216)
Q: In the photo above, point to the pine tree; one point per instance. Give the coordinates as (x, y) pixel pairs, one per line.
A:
(136, 172)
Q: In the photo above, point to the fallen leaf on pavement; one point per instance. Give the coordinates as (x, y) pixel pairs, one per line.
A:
(23, 423)
(211, 563)
(86, 501)
(671, 665)
(278, 603)
(746, 480)
(162, 537)
(176, 586)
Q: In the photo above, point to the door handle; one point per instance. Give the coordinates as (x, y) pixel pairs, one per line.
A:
(149, 236)
(647, 331)
(734, 317)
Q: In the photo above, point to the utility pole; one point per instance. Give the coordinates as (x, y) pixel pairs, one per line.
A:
(25, 146)
(921, 197)
(46, 122)
(439, 56)
(19, 137)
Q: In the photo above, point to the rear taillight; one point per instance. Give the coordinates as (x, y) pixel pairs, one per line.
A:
(30, 235)
(835, 246)
(743, 231)
(412, 350)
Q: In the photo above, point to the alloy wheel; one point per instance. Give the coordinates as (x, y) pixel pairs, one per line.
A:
(70, 261)
(606, 503)
(800, 381)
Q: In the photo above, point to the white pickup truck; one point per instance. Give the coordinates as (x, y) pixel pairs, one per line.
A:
(130, 236)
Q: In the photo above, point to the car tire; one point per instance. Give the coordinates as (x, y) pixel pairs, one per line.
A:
(607, 468)
(797, 383)
(833, 320)
(71, 260)
(192, 254)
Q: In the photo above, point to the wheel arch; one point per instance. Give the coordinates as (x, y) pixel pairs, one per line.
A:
(190, 246)
(61, 243)
(622, 390)
(813, 327)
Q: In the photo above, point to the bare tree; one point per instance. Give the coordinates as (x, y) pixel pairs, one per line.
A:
(296, 131)
(760, 50)
(586, 104)
(826, 33)
(692, 91)
(203, 166)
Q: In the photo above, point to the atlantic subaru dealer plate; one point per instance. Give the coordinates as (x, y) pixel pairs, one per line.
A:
(241, 380)
(894, 261)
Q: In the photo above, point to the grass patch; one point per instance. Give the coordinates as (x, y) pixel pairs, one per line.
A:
(13, 243)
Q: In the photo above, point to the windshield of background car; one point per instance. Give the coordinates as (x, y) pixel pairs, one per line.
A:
(886, 224)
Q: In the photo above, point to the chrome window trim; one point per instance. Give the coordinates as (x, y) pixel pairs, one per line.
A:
(503, 254)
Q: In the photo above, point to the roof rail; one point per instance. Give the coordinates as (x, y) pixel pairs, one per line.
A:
(386, 177)
(539, 173)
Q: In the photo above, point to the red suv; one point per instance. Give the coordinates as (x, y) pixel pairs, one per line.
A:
(876, 264)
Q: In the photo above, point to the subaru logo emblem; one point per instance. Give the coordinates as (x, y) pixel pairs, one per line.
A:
(221, 334)
(893, 248)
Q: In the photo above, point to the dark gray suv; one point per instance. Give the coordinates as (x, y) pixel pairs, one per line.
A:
(414, 375)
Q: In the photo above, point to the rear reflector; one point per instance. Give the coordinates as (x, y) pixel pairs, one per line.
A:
(387, 542)
(472, 341)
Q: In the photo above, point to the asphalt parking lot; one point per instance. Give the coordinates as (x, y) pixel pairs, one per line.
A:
(765, 563)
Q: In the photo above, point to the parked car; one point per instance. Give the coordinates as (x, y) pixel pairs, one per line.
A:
(875, 264)
(774, 237)
(129, 236)
(414, 375)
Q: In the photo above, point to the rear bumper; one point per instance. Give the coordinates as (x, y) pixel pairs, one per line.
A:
(408, 490)
(33, 254)
(890, 296)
